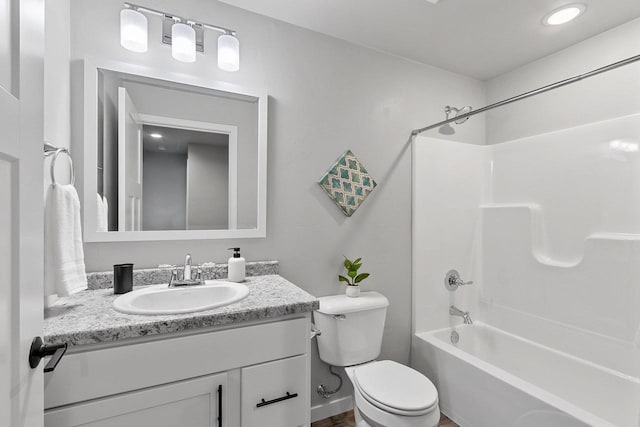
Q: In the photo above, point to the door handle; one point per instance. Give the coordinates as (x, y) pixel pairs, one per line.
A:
(39, 350)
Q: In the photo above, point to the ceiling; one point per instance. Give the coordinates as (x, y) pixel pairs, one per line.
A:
(176, 141)
(477, 38)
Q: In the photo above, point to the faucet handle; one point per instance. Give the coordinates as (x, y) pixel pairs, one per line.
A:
(174, 276)
(452, 280)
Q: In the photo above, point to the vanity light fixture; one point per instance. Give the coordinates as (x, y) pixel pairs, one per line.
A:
(133, 30)
(564, 14)
(228, 53)
(183, 42)
(186, 36)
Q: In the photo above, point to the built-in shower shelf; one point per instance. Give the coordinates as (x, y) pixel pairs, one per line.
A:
(536, 238)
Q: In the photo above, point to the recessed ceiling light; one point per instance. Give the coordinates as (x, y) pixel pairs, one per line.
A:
(564, 14)
(155, 135)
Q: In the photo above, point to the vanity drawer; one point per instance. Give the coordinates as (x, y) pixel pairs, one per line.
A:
(276, 393)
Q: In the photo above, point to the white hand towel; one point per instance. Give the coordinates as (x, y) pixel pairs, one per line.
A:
(105, 207)
(100, 219)
(64, 256)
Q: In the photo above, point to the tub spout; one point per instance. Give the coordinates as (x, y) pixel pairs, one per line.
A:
(455, 311)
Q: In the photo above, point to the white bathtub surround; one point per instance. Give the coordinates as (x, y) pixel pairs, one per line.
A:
(64, 254)
(548, 228)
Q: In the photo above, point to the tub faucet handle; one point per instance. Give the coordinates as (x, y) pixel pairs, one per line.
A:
(452, 280)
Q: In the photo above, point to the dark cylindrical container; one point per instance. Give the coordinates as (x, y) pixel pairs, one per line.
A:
(122, 278)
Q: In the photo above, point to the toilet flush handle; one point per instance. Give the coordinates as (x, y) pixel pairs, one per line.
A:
(339, 316)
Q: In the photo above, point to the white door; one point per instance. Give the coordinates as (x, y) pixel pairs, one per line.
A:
(21, 209)
(129, 164)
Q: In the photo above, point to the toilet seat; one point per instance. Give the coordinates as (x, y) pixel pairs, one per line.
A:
(395, 388)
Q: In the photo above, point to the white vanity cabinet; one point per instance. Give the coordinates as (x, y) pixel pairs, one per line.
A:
(256, 375)
(191, 403)
(271, 393)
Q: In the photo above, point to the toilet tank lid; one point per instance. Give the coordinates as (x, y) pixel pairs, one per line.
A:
(342, 304)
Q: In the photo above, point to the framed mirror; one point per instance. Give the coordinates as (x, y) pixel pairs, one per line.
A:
(171, 157)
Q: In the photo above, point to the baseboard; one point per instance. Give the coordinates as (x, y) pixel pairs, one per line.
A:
(331, 408)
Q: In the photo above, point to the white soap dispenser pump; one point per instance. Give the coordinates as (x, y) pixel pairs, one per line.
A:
(236, 266)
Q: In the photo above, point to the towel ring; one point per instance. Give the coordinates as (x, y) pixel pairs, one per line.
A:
(53, 165)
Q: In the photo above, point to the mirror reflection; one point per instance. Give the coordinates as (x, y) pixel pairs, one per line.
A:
(174, 157)
(187, 179)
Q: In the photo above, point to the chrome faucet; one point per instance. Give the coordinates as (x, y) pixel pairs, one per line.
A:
(190, 275)
(455, 311)
(187, 267)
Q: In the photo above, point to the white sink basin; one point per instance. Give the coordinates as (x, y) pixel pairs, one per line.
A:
(160, 299)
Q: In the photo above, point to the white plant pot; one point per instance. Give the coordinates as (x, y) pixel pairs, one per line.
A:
(353, 291)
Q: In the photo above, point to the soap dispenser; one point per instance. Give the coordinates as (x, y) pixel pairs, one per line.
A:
(236, 268)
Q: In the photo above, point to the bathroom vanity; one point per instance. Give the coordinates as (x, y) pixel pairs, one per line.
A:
(246, 364)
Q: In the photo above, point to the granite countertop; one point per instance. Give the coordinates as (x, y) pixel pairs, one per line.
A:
(88, 317)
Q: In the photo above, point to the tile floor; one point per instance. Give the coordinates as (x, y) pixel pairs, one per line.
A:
(347, 420)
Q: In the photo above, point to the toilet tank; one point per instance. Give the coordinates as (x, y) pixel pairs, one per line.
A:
(351, 328)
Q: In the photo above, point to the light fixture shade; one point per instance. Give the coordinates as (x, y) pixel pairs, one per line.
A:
(133, 30)
(228, 53)
(183, 42)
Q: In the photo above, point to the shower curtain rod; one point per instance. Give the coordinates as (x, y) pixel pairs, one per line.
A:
(531, 93)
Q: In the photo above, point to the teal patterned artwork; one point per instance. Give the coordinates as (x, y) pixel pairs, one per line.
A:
(347, 183)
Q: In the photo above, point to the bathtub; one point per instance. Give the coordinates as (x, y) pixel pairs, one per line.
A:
(492, 378)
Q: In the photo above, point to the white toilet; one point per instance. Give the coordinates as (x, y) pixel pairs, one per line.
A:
(386, 393)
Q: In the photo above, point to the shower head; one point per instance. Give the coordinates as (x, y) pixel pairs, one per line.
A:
(448, 110)
(457, 112)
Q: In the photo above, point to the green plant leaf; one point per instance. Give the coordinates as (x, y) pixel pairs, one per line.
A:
(347, 263)
(357, 261)
(356, 266)
(361, 277)
(352, 274)
(344, 279)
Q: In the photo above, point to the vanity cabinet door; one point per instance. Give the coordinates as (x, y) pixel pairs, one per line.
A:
(275, 394)
(190, 403)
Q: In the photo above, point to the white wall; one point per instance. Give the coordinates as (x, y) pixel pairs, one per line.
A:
(57, 125)
(208, 187)
(325, 96)
(609, 95)
(164, 191)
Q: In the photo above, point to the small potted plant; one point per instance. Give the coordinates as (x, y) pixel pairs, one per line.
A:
(353, 279)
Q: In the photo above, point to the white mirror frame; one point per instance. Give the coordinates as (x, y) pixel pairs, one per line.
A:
(90, 164)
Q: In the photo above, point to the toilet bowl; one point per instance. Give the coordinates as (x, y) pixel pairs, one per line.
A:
(386, 393)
